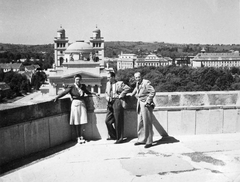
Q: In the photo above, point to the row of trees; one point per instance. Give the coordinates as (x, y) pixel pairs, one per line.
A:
(20, 84)
(180, 79)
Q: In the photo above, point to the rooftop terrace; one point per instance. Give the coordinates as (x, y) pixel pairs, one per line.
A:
(198, 158)
(204, 142)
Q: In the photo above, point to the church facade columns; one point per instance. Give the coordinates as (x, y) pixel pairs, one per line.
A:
(93, 88)
(58, 83)
(99, 89)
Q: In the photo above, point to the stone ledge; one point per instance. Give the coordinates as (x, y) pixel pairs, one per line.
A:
(172, 101)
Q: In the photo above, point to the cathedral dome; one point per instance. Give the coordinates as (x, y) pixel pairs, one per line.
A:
(79, 46)
(60, 30)
(97, 30)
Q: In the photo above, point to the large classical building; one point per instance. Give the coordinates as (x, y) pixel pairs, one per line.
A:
(79, 50)
(85, 58)
(126, 61)
(152, 60)
(231, 59)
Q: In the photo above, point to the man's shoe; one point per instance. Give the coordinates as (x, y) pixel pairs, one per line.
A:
(111, 139)
(148, 145)
(119, 141)
(139, 143)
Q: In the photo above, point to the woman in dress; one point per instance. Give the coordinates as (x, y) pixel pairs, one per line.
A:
(78, 115)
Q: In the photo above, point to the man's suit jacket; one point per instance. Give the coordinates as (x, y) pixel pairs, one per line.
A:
(121, 90)
(144, 92)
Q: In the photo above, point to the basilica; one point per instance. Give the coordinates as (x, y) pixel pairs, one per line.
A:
(80, 57)
(79, 50)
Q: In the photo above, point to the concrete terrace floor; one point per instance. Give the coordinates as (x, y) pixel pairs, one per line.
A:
(197, 158)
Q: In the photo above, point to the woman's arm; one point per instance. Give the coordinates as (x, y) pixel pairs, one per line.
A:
(133, 92)
(125, 89)
(66, 91)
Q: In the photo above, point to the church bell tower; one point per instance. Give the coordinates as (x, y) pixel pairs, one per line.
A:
(97, 42)
(60, 45)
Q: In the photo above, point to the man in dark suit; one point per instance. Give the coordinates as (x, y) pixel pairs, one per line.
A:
(115, 92)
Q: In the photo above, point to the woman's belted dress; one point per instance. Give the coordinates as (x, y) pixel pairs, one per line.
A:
(78, 113)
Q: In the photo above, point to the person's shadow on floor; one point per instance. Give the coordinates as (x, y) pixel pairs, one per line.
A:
(166, 139)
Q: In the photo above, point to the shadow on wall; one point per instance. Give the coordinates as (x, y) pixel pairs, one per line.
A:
(159, 127)
(90, 129)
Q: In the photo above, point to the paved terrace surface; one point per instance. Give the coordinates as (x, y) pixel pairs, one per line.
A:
(198, 158)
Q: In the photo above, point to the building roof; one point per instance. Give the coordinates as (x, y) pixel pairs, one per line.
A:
(79, 46)
(4, 86)
(1, 52)
(28, 74)
(168, 58)
(127, 54)
(61, 29)
(126, 59)
(158, 59)
(217, 56)
(97, 30)
(10, 65)
(32, 67)
(164, 59)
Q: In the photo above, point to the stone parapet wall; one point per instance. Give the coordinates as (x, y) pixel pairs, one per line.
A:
(204, 99)
(32, 128)
(30, 112)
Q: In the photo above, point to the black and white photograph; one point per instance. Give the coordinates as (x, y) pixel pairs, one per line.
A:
(120, 90)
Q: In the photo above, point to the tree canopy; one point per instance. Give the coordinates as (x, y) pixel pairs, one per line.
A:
(20, 84)
(180, 79)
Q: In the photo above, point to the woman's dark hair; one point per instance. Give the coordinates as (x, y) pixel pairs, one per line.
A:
(112, 74)
(78, 75)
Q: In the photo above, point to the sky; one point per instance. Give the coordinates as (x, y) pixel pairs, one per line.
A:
(170, 21)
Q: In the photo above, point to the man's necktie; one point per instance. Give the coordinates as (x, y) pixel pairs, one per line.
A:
(137, 87)
(111, 91)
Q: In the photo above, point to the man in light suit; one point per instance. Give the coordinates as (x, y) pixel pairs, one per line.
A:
(144, 93)
(115, 92)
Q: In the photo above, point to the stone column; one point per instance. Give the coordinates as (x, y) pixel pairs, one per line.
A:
(99, 89)
(92, 88)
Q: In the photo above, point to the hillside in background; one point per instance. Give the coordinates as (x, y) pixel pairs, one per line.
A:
(114, 48)
(43, 55)
(20, 48)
